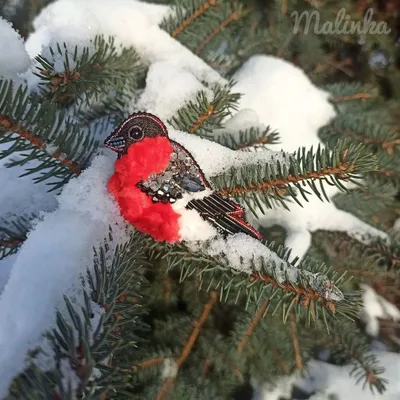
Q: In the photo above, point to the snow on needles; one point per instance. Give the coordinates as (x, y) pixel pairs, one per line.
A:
(287, 101)
(374, 307)
(50, 262)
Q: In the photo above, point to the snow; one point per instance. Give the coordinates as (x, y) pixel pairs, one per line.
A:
(11, 44)
(333, 380)
(281, 389)
(174, 93)
(285, 99)
(374, 307)
(170, 369)
(51, 260)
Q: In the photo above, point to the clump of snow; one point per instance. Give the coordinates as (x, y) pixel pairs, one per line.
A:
(168, 88)
(280, 389)
(336, 382)
(374, 307)
(170, 369)
(11, 44)
(285, 99)
(133, 23)
(244, 119)
(51, 260)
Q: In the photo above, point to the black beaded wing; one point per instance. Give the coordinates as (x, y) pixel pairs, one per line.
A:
(183, 175)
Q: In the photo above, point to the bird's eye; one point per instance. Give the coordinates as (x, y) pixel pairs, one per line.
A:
(135, 133)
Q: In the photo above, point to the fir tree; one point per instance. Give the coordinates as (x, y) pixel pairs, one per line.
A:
(155, 321)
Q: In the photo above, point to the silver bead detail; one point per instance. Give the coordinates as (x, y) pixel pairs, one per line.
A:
(154, 186)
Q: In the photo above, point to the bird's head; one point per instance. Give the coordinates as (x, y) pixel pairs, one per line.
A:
(133, 130)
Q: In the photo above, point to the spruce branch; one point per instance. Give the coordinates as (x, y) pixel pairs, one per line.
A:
(296, 345)
(350, 345)
(186, 12)
(254, 184)
(13, 234)
(299, 286)
(388, 171)
(203, 115)
(374, 196)
(247, 140)
(362, 130)
(98, 67)
(352, 94)
(38, 131)
(376, 258)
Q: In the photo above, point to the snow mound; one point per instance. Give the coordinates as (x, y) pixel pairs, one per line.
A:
(11, 43)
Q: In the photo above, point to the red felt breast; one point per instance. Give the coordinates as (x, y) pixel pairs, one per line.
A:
(151, 155)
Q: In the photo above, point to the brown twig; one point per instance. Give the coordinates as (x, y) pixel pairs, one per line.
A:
(233, 17)
(252, 326)
(203, 8)
(296, 345)
(388, 173)
(203, 117)
(206, 367)
(284, 7)
(167, 290)
(189, 344)
(284, 368)
(259, 142)
(145, 364)
(356, 96)
(38, 142)
(11, 242)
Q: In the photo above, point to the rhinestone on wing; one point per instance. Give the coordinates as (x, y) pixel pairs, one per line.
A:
(169, 186)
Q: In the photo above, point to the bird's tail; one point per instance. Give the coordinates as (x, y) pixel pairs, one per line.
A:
(224, 214)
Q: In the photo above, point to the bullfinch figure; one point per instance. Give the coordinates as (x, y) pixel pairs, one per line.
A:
(156, 181)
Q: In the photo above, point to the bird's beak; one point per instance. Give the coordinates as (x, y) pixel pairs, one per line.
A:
(115, 142)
